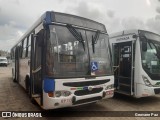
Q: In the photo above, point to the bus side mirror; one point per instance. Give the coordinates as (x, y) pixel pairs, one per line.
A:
(144, 44)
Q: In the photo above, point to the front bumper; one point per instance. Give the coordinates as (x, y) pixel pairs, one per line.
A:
(157, 90)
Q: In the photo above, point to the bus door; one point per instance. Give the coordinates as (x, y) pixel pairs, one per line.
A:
(17, 54)
(123, 67)
(36, 68)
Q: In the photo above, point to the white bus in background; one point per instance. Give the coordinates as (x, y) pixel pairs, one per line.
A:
(136, 62)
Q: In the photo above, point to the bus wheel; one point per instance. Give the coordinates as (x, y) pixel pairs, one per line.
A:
(14, 80)
(33, 101)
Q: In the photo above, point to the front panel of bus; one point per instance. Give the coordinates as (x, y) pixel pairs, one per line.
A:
(78, 69)
(147, 66)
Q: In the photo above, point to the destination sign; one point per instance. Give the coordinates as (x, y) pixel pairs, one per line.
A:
(123, 38)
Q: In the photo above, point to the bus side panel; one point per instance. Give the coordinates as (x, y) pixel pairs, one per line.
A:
(137, 73)
(144, 91)
(13, 69)
(141, 90)
(23, 71)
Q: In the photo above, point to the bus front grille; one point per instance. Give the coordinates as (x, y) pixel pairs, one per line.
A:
(86, 83)
(87, 92)
(87, 100)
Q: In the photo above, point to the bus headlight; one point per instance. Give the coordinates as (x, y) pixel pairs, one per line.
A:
(66, 93)
(109, 87)
(146, 81)
(57, 93)
(62, 93)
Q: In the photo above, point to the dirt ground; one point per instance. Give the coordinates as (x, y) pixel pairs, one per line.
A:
(14, 98)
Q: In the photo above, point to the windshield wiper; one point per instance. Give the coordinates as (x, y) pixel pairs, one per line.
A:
(95, 39)
(76, 34)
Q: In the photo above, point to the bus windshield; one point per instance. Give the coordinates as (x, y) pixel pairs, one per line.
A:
(70, 52)
(151, 56)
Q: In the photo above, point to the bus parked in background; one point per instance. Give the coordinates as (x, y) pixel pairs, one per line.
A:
(136, 62)
(64, 60)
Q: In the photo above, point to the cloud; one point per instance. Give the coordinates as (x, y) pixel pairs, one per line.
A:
(60, 1)
(157, 17)
(16, 2)
(19, 17)
(110, 13)
(148, 2)
(9, 35)
(132, 23)
(8, 31)
(158, 10)
(96, 13)
(153, 24)
(85, 10)
(113, 25)
(16, 16)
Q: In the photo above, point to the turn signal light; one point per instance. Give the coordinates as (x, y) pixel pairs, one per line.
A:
(51, 94)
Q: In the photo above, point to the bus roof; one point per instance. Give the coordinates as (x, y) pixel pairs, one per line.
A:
(128, 35)
(127, 32)
(77, 20)
(124, 32)
(50, 16)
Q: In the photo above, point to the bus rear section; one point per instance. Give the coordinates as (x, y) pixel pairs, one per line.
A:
(136, 62)
(69, 61)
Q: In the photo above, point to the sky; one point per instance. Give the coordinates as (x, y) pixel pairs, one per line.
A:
(17, 16)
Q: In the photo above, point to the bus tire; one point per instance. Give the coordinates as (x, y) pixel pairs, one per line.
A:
(33, 101)
(27, 84)
(14, 80)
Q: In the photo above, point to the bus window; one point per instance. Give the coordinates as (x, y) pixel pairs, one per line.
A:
(29, 40)
(20, 45)
(24, 48)
(98, 53)
(28, 50)
(69, 59)
(24, 53)
(150, 61)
